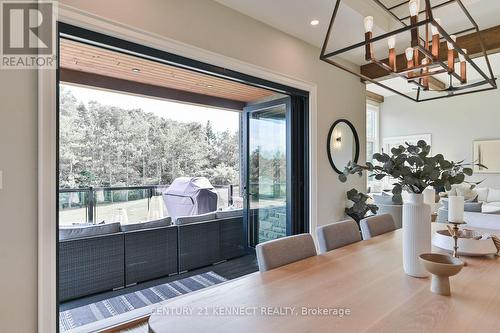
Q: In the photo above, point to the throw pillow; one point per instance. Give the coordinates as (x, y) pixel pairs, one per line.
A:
(445, 203)
(473, 200)
(465, 191)
(452, 192)
(473, 207)
(493, 195)
(482, 193)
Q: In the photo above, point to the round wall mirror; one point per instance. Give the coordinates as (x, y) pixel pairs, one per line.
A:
(343, 145)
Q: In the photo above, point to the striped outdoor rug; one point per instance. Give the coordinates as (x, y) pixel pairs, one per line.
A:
(117, 305)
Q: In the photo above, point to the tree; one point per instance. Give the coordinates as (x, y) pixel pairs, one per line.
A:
(103, 145)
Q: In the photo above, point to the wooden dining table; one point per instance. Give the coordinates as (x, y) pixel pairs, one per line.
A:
(357, 288)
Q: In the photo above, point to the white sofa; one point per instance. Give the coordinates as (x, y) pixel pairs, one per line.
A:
(490, 198)
(488, 218)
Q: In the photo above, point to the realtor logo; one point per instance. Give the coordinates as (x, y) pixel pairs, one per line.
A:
(28, 34)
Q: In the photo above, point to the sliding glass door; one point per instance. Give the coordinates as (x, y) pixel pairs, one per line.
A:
(267, 204)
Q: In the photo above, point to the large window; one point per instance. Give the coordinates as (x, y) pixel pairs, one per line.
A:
(372, 135)
(116, 149)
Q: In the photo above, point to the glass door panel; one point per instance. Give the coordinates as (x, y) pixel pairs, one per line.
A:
(267, 173)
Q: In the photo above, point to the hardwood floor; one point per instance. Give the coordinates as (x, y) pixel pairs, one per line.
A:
(141, 328)
(135, 328)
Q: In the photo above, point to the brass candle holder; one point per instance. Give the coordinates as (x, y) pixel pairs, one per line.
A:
(455, 232)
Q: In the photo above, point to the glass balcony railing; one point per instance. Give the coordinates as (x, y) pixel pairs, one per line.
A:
(141, 203)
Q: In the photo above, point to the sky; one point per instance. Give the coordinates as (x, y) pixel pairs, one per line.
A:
(268, 134)
(220, 119)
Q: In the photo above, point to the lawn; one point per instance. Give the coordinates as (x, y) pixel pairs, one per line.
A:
(137, 210)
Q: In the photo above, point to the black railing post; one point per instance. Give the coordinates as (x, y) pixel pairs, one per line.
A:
(149, 191)
(90, 205)
(231, 193)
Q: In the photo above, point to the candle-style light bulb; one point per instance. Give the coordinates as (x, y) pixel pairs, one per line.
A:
(368, 21)
(391, 42)
(450, 45)
(409, 53)
(414, 7)
(434, 28)
(461, 56)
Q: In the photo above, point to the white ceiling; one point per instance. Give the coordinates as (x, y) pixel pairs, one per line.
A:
(294, 16)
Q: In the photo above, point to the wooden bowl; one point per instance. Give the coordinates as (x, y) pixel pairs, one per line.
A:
(466, 246)
(441, 266)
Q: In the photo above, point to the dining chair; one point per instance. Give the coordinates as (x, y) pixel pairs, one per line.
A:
(335, 235)
(283, 251)
(377, 225)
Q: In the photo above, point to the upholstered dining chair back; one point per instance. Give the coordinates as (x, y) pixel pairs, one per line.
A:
(377, 225)
(339, 234)
(283, 251)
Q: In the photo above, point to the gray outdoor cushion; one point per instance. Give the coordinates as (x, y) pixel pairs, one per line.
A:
(224, 214)
(195, 218)
(79, 231)
(147, 224)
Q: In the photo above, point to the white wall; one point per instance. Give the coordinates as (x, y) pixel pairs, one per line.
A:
(211, 26)
(201, 23)
(453, 122)
(18, 200)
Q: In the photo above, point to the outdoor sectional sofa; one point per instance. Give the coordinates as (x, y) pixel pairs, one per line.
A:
(99, 258)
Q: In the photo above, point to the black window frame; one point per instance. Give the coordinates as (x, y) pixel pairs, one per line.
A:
(299, 115)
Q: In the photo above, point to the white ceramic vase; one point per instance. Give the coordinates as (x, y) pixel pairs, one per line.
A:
(416, 234)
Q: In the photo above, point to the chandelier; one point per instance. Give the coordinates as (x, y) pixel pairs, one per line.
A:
(431, 63)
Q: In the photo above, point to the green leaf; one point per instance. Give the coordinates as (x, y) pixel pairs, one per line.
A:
(397, 189)
(468, 171)
(397, 199)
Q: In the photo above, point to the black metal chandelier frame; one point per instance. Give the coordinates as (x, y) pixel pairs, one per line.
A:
(435, 62)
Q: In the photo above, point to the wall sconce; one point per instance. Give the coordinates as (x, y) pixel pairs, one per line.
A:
(337, 139)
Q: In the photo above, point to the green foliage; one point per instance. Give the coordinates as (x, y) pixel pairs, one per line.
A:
(103, 145)
(360, 206)
(413, 169)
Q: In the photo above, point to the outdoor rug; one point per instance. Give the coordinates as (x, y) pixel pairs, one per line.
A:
(117, 305)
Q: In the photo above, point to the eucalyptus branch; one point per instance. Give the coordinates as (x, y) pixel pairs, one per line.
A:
(414, 169)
